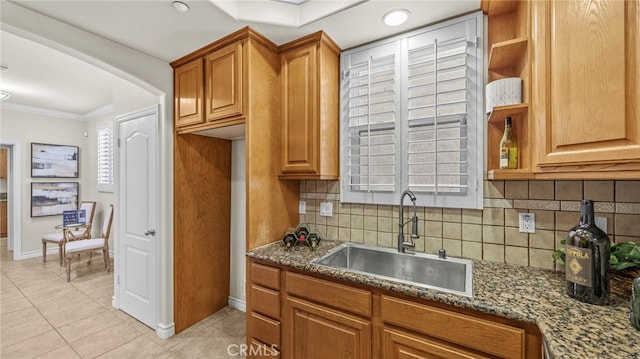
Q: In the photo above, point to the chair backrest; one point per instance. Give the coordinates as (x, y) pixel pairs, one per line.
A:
(106, 225)
(90, 208)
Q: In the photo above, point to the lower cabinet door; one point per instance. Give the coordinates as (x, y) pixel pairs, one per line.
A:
(258, 350)
(397, 344)
(312, 331)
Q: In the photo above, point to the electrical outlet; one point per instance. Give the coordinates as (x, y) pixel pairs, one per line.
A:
(527, 222)
(326, 209)
(302, 207)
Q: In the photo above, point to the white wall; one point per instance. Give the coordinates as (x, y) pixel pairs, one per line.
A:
(237, 296)
(143, 70)
(29, 128)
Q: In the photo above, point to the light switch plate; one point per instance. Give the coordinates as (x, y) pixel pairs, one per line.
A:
(302, 207)
(326, 209)
(527, 222)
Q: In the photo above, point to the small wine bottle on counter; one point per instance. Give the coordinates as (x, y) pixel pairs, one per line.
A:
(587, 259)
(289, 238)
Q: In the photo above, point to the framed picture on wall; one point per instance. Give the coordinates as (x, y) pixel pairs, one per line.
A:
(58, 161)
(53, 198)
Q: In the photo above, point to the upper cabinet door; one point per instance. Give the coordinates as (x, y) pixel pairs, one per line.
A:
(586, 98)
(299, 115)
(223, 81)
(309, 77)
(188, 95)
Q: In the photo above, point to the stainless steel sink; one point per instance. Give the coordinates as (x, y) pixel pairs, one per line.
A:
(451, 275)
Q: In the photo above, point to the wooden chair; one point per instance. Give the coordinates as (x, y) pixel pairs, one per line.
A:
(90, 245)
(58, 238)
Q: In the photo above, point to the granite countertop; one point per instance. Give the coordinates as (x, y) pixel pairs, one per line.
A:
(572, 329)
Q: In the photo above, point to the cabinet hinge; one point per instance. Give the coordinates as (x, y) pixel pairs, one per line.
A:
(118, 142)
(118, 279)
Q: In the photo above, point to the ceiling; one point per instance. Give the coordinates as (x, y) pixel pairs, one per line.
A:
(62, 83)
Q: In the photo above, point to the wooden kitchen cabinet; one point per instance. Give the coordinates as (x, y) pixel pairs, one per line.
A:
(310, 108)
(3, 218)
(263, 310)
(189, 92)
(323, 319)
(224, 83)
(4, 162)
(586, 88)
(327, 318)
(509, 56)
(313, 331)
(580, 116)
(211, 84)
(244, 101)
(397, 344)
(448, 334)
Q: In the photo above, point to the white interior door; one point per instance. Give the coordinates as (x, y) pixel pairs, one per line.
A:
(138, 153)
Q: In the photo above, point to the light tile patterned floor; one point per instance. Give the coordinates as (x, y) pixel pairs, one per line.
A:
(43, 316)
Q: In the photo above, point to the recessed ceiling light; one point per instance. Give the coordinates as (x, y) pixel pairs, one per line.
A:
(395, 17)
(4, 95)
(180, 6)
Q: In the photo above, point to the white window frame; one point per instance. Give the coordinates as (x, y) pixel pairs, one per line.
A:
(102, 185)
(475, 118)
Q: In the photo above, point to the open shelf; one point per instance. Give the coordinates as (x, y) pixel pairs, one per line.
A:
(500, 112)
(506, 53)
(498, 7)
(506, 174)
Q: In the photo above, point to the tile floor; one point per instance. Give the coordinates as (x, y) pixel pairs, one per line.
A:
(43, 316)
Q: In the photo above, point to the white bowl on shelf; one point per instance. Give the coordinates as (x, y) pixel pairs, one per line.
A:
(506, 91)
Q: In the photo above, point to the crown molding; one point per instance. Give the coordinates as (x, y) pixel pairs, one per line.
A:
(91, 115)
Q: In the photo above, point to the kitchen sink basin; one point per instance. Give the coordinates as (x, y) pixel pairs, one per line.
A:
(451, 275)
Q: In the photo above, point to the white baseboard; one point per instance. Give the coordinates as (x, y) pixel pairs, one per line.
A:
(238, 304)
(35, 254)
(165, 331)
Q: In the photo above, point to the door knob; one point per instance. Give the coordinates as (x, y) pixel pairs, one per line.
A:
(150, 232)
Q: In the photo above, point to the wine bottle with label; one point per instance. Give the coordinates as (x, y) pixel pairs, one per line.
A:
(587, 259)
(508, 147)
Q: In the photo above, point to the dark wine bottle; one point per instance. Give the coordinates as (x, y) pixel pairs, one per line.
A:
(587, 259)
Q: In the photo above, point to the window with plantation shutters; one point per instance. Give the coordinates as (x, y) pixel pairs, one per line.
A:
(105, 157)
(411, 113)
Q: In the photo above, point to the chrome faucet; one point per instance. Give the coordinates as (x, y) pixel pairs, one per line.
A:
(402, 244)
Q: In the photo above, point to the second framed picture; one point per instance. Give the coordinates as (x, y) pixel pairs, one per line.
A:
(54, 161)
(53, 198)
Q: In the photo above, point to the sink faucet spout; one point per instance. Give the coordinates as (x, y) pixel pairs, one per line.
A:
(402, 244)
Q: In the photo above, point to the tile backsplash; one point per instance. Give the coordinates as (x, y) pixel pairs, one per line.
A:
(489, 234)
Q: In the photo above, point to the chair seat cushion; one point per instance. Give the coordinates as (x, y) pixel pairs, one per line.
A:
(84, 245)
(53, 237)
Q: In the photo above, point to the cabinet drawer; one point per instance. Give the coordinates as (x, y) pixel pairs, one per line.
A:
(395, 343)
(483, 335)
(260, 350)
(265, 301)
(265, 276)
(265, 329)
(339, 296)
